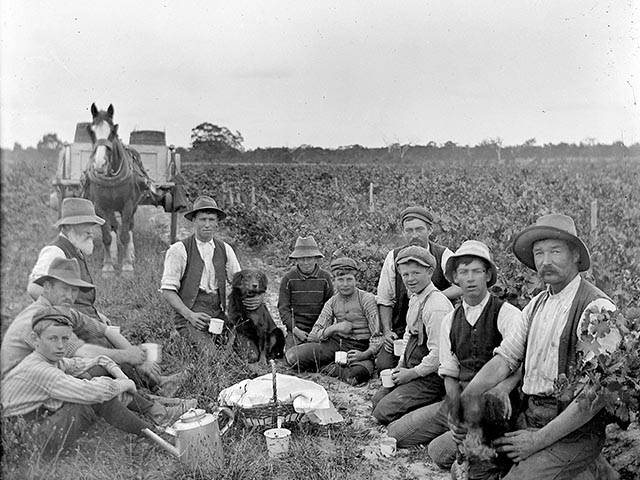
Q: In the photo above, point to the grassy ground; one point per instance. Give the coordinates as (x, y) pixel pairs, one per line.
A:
(344, 451)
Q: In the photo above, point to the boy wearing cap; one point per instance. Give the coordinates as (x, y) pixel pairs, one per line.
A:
(60, 285)
(303, 291)
(348, 322)
(197, 271)
(45, 388)
(558, 439)
(479, 328)
(416, 376)
(392, 296)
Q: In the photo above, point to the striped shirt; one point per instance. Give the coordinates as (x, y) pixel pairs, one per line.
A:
(17, 342)
(36, 382)
(361, 305)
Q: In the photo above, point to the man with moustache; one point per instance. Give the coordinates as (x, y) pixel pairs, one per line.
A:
(557, 438)
(392, 297)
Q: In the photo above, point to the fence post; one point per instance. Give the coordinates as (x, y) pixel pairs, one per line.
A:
(253, 195)
(230, 197)
(371, 206)
(594, 222)
(335, 182)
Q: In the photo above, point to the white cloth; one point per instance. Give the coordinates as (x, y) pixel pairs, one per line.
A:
(306, 396)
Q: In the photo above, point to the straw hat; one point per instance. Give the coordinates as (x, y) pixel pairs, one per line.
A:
(416, 254)
(204, 203)
(306, 247)
(66, 270)
(476, 249)
(75, 211)
(553, 226)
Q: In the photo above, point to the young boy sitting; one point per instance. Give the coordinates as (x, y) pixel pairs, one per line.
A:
(44, 387)
(416, 376)
(303, 291)
(348, 323)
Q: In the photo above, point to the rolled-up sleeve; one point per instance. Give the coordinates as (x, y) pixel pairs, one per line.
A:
(325, 319)
(449, 364)
(514, 336)
(386, 292)
(373, 321)
(175, 262)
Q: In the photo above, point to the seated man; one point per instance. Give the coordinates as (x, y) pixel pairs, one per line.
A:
(75, 241)
(392, 296)
(303, 291)
(45, 388)
(197, 271)
(348, 322)
(416, 376)
(482, 326)
(60, 285)
(559, 438)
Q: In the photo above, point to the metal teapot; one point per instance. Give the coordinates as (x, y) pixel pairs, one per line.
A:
(198, 438)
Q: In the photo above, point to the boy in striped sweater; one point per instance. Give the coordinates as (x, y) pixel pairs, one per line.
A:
(45, 388)
(348, 323)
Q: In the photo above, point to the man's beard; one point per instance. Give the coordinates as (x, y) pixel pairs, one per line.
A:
(85, 246)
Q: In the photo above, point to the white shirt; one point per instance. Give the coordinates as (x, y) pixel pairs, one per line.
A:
(175, 263)
(510, 327)
(436, 307)
(544, 332)
(46, 256)
(386, 293)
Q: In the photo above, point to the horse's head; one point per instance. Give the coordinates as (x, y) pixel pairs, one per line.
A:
(103, 132)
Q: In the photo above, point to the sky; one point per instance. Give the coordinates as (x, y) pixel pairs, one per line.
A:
(325, 73)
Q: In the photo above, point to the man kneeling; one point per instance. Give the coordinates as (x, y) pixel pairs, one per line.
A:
(45, 388)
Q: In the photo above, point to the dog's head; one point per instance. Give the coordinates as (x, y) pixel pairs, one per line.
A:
(250, 282)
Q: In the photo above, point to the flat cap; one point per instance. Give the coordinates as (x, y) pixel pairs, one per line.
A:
(57, 314)
(343, 263)
(418, 212)
(416, 254)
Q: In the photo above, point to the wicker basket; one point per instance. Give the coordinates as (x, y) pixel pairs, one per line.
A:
(267, 415)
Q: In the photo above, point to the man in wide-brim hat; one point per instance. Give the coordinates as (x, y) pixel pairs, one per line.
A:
(303, 291)
(559, 439)
(196, 273)
(392, 297)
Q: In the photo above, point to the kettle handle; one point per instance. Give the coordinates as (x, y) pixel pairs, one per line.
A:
(227, 413)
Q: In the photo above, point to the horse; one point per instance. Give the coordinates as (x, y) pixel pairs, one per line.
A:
(113, 183)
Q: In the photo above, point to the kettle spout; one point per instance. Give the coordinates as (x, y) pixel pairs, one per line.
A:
(161, 442)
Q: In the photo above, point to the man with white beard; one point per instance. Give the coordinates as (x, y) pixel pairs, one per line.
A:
(75, 240)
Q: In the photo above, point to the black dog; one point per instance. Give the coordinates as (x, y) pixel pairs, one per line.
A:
(256, 330)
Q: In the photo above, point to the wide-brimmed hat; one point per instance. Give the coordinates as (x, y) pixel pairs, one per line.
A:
(476, 249)
(417, 254)
(205, 203)
(306, 247)
(343, 263)
(58, 314)
(66, 270)
(75, 211)
(553, 226)
(418, 212)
